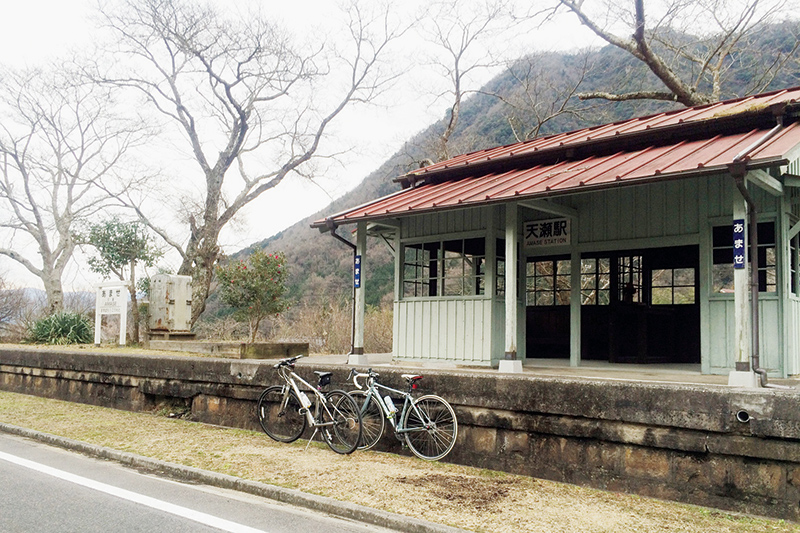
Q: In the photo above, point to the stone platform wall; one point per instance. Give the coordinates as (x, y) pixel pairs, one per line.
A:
(677, 442)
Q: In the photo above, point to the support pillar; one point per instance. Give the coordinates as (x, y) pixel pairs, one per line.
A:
(358, 357)
(743, 376)
(511, 363)
(575, 309)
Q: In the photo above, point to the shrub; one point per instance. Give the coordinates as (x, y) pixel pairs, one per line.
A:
(61, 328)
(255, 289)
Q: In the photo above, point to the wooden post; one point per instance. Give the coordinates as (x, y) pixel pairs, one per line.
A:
(511, 363)
(743, 375)
(575, 308)
(361, 254)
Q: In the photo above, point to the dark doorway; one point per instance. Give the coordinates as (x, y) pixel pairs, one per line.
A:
(638, 306)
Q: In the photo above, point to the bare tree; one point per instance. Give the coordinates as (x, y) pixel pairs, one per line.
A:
(250, 105)
(12, 305)
(461, 33)
(542, 90)
(60, 148)
(689, 45)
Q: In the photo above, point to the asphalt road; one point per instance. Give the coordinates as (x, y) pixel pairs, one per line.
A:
(49, 489)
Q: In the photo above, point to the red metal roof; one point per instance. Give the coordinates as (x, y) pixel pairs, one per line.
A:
(451, 183)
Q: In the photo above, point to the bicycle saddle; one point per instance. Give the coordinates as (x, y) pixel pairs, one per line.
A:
(411, 378)
(324, 377)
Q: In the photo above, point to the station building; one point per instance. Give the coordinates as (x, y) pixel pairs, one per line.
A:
(670, 239)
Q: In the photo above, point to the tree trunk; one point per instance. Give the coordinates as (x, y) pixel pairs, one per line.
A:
(134, 303)
(55, 294)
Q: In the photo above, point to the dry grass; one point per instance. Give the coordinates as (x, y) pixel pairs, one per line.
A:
(469, 498)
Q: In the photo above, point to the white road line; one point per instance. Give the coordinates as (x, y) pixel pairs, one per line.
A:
(177, 510)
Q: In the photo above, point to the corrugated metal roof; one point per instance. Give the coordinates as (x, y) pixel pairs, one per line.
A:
(451, 184)
(692, 115)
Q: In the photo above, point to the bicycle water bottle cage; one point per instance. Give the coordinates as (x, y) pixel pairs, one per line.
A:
(324, 378)
(412, 379)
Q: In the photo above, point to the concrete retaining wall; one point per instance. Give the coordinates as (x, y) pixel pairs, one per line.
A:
(235, 350)
(677, 442)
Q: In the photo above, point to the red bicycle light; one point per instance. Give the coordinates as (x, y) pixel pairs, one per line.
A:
(414, 386)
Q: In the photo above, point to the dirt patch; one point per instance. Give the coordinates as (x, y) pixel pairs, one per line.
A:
(462, 491)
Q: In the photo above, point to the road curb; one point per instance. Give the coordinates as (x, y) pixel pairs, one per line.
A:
(314, 502)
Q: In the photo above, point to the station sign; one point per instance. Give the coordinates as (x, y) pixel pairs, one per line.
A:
(738, 244)
(552, 232)
(357, 272)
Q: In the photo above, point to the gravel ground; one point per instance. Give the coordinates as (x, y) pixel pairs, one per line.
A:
(469, 498)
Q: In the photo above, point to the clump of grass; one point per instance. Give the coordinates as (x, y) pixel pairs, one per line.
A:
(61, 328)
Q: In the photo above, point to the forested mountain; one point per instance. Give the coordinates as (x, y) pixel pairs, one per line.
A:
(526, 100)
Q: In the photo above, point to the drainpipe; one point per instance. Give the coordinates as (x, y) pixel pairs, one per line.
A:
(738, 169)
(332, 227)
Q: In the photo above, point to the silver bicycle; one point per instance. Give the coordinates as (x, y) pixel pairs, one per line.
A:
(284, 411)
(427, 424)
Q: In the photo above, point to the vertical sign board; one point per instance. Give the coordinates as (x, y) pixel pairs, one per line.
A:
(111, 299)
(738, 244)
(357, 272)
(553, 232)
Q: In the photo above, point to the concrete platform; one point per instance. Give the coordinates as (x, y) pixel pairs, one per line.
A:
(660, 373)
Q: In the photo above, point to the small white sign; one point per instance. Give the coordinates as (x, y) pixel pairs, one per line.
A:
(552, 232)
(111, 298)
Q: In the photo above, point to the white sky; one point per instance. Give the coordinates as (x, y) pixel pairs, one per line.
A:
(36, 31)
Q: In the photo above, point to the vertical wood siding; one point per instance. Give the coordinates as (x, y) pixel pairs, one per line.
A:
(793, 337)
(444, 330)
(721, 336)
(451, 221)
(663, 209)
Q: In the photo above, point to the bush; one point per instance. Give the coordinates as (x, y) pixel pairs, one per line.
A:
(61, 328)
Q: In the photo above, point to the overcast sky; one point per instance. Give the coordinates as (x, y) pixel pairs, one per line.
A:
(37, 31)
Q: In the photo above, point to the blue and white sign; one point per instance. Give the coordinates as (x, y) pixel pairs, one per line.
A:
(738, 244)
(357, 273)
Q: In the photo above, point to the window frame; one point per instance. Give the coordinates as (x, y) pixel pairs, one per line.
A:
(767, 271)
(444, 267)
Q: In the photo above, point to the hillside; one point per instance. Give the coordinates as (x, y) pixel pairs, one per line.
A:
(321, 266)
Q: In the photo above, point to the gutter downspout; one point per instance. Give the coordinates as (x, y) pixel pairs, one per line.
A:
(738, 169)
(332, 227)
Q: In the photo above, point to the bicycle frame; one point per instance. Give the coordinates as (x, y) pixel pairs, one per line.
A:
(290, 378)
(373, 390)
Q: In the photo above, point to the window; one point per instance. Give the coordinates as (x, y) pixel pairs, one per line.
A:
(500, 268)
(722, 258)
(420, 270)
(596, 281)
(767, 258)
(629, 279)
(548, 282)
(672, 286)
(444, 268)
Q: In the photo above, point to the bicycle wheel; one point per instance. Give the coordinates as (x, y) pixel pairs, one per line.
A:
(431, 433)
(279, 414)
(344, 434)
(372, 419)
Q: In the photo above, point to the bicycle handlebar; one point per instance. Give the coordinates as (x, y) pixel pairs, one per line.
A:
(355, 374)
(288, 361)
